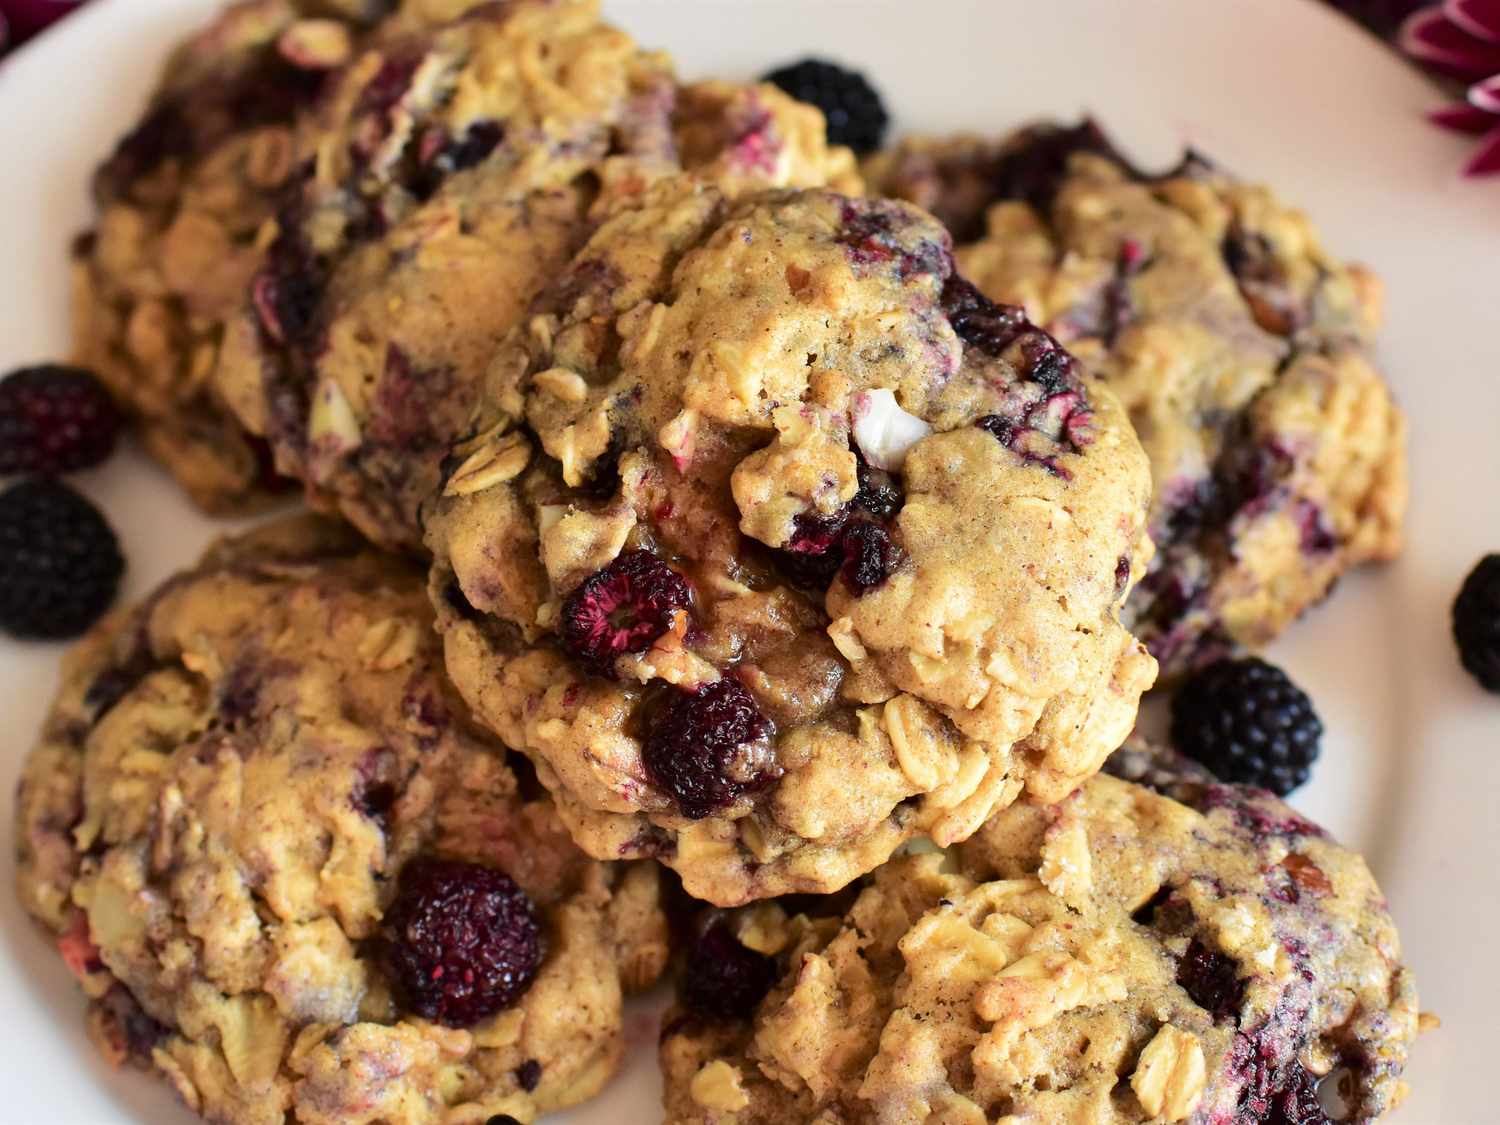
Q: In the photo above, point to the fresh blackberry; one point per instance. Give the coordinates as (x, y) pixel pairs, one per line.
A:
(1248, 723)
(60, 563)
(55, 419)
(856, 116)
(1476, 622)
(460, 942)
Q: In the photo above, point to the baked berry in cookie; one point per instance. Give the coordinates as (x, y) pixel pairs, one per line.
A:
(776, 543)
(454, 167)
(1118, 957)
(1238, 345)
(180, 204)
(291, 876)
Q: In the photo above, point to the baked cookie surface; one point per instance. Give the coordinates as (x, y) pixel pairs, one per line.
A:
(258, 824)
(1239, 346)
(777, 544)
(180, 205)
(456, 164)
(1119, 957)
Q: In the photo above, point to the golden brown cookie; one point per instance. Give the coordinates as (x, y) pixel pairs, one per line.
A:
(1119, 957)
(180, 206)
(1239, 346)
(456, 165)
(778, 544)
(294, 880)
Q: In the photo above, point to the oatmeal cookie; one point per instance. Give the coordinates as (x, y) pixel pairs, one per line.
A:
(1239, 346)
(455, 167)
(1118, 957)
(777, 544)
(180, 204)
(291, 876)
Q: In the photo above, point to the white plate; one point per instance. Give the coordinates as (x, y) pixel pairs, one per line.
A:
(1289, 93)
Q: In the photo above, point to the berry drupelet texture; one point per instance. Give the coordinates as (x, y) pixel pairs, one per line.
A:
(622, 608)
(856, 116)
(55, 419)
(460, 942)
(703, 747)
(1476, 622)
(60, 563)
(1248, 723)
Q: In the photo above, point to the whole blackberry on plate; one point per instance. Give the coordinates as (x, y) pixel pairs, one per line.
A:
(55, 419)
(1476, 622)
(856, 116)
(1248, 723)
(60, 563)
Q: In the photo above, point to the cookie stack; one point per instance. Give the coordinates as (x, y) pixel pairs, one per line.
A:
(729, 557)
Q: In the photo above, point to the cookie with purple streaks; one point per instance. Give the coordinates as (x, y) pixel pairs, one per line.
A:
(777, 543)
(291, 875)
(455, 166)
(1239, 345)
(1121, 956)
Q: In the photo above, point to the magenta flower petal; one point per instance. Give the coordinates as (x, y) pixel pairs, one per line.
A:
(1485, 162)
(1464, 118)
(1427, 36)
(1486, 95)
(1479, 18)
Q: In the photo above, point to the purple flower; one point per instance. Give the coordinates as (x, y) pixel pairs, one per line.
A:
(1461, 38)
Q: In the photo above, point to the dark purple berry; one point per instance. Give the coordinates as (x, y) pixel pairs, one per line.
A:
(1248, 723)
(1211, 980)
(980, 322)
(724, 979)
(528, 1074)
(622, 608)
(460, 942)
(869, 556)
(1032, 168)
(60, 564)
(478, 141)
(855, 114)
(817, 535)
(55, 419)
(1476, 622)
(880, 493)
(501, 1119)
(1296, 1101)
(708, 747)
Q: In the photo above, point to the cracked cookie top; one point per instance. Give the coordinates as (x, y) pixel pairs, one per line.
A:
(1117, 957)
(295, 880)
(180, 204)
(456, 163)
(1238, 345)
(776, 543)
